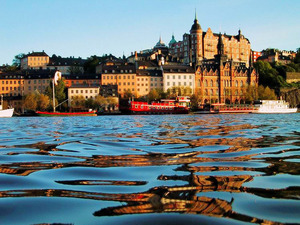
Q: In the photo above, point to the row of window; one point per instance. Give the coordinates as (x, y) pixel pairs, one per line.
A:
(179, 84)
(122, 71)
(83, 91)
(227, 83)
(12, 82)
(179, 77)
(37, 58)
(11, 88)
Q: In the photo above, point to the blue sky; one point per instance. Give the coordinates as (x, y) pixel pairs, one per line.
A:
(96, 27)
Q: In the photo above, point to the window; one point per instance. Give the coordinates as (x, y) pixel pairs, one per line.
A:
(236, 83)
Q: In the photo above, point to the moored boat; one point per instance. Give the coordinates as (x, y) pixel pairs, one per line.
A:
(5, 112)
(180, 105)
(274, 106)
(224, 108)
(48, 114)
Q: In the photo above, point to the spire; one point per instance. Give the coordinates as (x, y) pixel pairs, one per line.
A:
(220, 45)
(196, 25)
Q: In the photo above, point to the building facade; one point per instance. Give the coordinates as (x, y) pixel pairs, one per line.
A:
(200, 45)
(179, 77)
(35, 60)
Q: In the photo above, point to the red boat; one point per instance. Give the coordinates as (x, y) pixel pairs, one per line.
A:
(90, 113)
(165, 106)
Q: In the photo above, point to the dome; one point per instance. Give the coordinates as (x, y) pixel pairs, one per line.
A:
(160, 44)
(196, 25)
(173, 41)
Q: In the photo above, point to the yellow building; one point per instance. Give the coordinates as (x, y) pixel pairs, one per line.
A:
(11, 84)
(119, 73)
(35, 60)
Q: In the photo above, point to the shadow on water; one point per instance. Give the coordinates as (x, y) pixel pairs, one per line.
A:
(220, 167)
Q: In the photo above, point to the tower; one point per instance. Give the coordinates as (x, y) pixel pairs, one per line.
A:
(196, 54)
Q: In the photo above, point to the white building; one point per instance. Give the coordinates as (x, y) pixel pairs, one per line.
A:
(87, 91)
(178, 76)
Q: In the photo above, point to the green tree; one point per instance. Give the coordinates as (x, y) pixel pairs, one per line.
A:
(17, 60)
(60, 91)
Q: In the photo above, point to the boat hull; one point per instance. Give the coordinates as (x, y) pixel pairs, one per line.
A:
(54, 114)
(291, 110)
(6, 113)
(146, 112)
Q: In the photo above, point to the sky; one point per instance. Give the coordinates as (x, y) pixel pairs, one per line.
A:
(96, 27)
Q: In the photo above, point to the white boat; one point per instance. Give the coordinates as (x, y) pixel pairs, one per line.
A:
(274, 106)
(5, 112)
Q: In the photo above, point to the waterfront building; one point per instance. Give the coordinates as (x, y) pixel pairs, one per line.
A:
(221, 80)
(37, 81)
(35, 60)
(87, 91)
(179, 76)
(146, 80)
(11, 84)
(119, 73)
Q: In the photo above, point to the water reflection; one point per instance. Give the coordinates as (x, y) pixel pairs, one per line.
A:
(187, 165)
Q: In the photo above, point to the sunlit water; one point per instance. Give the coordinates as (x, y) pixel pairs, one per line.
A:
(164, 169)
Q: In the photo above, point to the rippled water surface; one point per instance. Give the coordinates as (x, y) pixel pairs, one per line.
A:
(165, 169)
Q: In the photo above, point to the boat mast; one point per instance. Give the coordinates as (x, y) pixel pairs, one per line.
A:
(53, 94)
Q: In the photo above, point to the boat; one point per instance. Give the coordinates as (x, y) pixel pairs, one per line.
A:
(180, 105)
(57, 76)
(49, 114)
(225, 108)
(5, 112)
(273, 106)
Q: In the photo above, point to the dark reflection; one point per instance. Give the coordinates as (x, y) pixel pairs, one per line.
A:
(102, 182)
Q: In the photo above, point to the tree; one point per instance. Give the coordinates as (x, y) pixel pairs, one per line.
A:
(43, 102)
(30, 102)
(128, 94)
(17, 60)
(153, 95)
(100, 102)
(90, 103)
(112, 102)
(78, 101)
(60, 91)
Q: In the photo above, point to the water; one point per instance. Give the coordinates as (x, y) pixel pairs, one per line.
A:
(166, 169)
